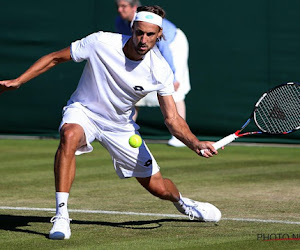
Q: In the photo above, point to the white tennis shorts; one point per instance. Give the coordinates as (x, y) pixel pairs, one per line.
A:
(180, 52)
(127, 161)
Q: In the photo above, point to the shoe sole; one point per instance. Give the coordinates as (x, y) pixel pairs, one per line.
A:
(59, 236)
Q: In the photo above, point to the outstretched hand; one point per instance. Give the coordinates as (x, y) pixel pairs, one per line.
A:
(9, 85)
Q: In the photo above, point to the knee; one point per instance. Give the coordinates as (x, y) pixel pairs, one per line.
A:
(71, 137)
(67, 135)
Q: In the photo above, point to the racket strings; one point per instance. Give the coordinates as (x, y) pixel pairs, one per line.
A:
(285, 112)
(279, 111)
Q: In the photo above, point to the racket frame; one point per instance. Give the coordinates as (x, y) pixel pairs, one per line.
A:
(230, 138)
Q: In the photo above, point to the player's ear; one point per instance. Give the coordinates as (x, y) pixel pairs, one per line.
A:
(160, 35)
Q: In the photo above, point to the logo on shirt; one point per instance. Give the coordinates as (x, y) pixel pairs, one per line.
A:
(138, 88)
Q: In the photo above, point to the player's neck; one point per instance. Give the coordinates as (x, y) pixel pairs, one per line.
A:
(130, 52)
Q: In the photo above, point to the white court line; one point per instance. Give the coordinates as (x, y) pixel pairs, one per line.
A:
(144, 214)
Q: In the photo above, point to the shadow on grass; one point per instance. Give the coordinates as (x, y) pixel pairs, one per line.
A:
(16, 223)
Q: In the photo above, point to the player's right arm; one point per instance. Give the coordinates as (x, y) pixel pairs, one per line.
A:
(40, 66)
(180, 129)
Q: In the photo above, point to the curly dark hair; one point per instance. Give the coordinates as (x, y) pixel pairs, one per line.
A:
(154, 9)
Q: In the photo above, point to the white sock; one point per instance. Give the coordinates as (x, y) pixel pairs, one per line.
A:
(180, 204)
(62, 204)
(180, 199)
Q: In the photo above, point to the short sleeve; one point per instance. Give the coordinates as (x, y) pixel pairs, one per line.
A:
(80, 49)
(168, 86)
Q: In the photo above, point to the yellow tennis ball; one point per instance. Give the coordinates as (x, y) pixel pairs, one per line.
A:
(135, 141)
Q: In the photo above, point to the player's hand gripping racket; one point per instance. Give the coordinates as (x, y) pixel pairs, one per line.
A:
(276, 112)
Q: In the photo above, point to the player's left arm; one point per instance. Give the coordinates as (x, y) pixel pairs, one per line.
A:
(180, 129)
(40, 66)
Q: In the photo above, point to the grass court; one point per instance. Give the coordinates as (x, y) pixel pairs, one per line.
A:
(256, 188)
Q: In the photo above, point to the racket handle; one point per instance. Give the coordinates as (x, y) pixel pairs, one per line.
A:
(223, 142)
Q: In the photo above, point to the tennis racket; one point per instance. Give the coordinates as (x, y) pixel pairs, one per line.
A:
(277, 112)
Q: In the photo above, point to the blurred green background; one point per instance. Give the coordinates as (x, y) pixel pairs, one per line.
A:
(238, 49)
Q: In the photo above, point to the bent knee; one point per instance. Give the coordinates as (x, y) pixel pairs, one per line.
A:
(72, 136)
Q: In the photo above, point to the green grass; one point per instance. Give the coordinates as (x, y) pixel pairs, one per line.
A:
(244, 182)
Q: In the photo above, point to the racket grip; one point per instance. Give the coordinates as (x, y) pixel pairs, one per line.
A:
(223, 142)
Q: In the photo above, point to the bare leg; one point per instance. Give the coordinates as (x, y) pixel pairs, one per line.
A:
(165, 189)
(72, 137)
(160, 187)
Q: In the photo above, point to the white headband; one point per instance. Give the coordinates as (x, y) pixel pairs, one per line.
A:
(149, 17)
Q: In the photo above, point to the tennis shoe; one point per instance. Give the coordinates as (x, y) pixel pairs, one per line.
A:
(202, 211)
(61, 228)
(174, 142)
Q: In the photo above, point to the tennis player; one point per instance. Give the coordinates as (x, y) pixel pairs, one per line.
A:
(173, 46)
(119, 71)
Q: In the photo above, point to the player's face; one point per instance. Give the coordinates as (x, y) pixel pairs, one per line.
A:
(125, 10)
(144, 36)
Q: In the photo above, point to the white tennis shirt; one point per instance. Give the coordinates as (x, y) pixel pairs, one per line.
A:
(111, 83)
